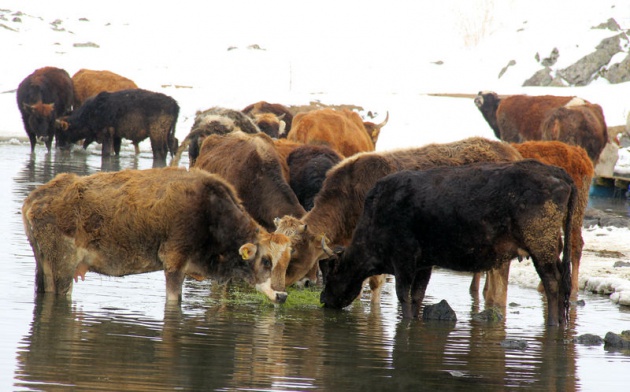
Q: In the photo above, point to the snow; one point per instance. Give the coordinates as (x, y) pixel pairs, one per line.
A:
(385, 56)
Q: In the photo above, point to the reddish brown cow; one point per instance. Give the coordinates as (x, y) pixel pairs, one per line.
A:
(341, 130)
(135, 221)
(252, 165)
(88, 83)
(43, 97)
(339, 204)
(577, 164)
(520, 118)
(578, 125)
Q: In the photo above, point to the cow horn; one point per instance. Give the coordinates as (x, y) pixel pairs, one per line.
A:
(180, 150)
(381, 125)
(325, 247)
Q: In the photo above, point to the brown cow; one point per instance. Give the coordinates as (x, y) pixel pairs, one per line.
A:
(135, 221)
(520, 118)
(577, 164)
(88, 83)
(279, 110)
(578, 125)
(252, 165)
(43, 97)
(216, 120)
(270, 124)
(339, 204)
(341, 130)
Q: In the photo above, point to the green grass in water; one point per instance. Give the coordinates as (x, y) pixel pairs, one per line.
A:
(237, 294)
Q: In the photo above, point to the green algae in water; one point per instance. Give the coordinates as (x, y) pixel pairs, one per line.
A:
(239, 294)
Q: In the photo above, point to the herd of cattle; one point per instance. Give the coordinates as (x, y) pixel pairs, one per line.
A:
(273, 197)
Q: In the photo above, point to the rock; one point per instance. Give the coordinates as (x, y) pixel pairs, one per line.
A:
(551, 60)
(489, 315)
(618, 73)
(86, 45)
(515, 344)
(611, 24)
(441, 311)
(587, 68)
(540, 78)
(614, 340)
(621, 264)
(589, 340)
(511, 63)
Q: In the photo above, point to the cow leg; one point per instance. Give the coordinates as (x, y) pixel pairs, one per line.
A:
(108, 142)
(376, 286)
(48, 143)
(474, 284)
(495, 288)
(418, 289)
(136, 147)
(174, 284)
(117, 141)
(33, 139)
(403, 286)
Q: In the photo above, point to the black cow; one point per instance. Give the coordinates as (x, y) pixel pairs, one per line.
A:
(133, 114)
(467, 218)
(42, 97)
(308, 165)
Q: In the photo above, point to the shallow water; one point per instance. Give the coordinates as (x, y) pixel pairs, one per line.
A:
(117, 334)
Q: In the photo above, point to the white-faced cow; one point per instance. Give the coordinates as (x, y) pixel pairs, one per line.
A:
(339, 204)
(213, 121)
(134, 114)
(43, 97)
(468, 218)
(187, 223)
(280, 111)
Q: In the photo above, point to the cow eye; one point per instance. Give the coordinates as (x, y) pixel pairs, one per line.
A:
(266, 262)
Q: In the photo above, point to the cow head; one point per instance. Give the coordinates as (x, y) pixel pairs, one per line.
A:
(41, 118)
(374, 130)
(341, 286)
(307, 247)
(488, 102)
(269, 259)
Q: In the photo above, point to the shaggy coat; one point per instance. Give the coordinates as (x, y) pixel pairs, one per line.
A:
(135, 221)
(341, 130)
(469, 218)
(43, 97)
(339, 204)
(577, 164)
(250, 163)
(134, 114)
(213, 121)
(308, 165)
(88, 83)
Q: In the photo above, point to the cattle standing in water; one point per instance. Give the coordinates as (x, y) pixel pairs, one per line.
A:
(134, 114)
(213, 121)
(88, 83)
(339, 204)
(577, 164)
(519, 118)
(341, 130)
(42, 97)
(250, 163)
(135, 221)
(468, 218)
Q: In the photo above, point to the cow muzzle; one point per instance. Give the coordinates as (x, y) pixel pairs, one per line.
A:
(278, 297)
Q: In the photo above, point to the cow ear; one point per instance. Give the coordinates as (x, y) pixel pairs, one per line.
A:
(248, 251)
(27, 107)
(302, 228)
(276, 222)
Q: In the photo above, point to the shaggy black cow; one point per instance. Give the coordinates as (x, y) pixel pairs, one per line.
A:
(42, 97)
(308, 165)
(133, 114)
(468, 218)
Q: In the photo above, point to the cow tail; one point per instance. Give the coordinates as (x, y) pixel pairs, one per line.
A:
(180, 150)
(566, 251)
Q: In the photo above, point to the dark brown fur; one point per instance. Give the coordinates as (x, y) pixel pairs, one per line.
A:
(277, 109)
(43, 97)
(251, 164)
